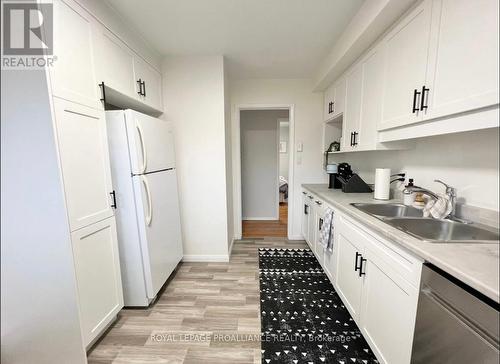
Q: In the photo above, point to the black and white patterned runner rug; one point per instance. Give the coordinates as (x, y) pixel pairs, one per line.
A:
(303, 319)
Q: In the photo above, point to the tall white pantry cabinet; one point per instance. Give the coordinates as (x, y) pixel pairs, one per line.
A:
(80, 129)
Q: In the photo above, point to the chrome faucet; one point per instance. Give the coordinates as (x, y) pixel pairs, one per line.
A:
(451, 192)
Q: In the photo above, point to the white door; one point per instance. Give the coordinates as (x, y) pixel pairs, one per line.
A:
(406, 52)
(464, 57)
(97, 268)
(73, 74)
(84, 156)
(115, 64)
(159, 224)
(151, 143)
(352, 114)
(150, 83)
(388, 310)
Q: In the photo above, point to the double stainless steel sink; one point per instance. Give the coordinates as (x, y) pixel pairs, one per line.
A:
(411, 221)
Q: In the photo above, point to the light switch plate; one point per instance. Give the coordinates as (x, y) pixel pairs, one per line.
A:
(300, 146)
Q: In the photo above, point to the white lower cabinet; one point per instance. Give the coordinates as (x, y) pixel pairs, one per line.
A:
(388, 311)
(348, 281)
(378, 284)
(306, 209)
(97, 268)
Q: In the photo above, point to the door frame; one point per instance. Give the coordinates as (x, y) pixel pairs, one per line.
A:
(237, 196)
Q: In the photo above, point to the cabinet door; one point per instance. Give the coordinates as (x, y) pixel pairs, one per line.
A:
(464, 57)
(305, 216)
(311, 230)
(330, 262)
(371, 99)
(73, 74)
(348, 281)
(151, 83)
(318, 223)
(352, 114)
(97, 268)
(115, 64)
(406, 52)
(84, 156)
(339, 97)
(328, 103)
(388, 310)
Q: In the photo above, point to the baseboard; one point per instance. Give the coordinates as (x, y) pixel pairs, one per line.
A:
(295, 237)
(206, 258)
(261, 218)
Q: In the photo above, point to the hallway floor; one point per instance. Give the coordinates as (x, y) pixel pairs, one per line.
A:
(208, 313)
(263, 228)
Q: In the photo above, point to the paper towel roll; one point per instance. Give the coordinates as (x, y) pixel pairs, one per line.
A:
(382, 183)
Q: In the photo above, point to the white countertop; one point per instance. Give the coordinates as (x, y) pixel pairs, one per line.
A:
(475, 264)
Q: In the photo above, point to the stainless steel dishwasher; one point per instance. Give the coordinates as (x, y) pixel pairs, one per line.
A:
(455, 324)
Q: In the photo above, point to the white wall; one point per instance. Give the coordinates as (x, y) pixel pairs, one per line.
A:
(284, 137)
(468, 161)
(259, 163)
(40, 319)
(194, 101)
(229, 160)
(307, 114)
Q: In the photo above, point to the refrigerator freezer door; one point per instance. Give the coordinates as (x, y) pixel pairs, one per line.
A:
(159, 226)
(151, 143)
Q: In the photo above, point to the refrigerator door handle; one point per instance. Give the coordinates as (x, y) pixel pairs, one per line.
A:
(143, 148)
(149, 216)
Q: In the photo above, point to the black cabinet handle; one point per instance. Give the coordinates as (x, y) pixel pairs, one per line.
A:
(113, 194)
(352, 139)
(103, 92)
(355, 136)
(423, 104)
(361, 273)
(358, 255)
(306, 209)
(144, 88)
(139, 82)
(415, 106)
(320, 223)
(304, 193)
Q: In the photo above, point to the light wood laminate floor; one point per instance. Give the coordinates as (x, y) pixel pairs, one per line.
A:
(263, 228)
(216, 303)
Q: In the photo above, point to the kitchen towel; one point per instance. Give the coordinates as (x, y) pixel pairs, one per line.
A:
(326, 235)
(382, 183)
(438, 208)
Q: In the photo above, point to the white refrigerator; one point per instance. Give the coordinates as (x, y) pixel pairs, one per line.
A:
(147, 206)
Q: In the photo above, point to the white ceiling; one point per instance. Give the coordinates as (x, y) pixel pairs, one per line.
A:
(259, 38)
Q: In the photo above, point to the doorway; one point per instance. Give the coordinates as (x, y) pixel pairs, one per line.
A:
(264, 161)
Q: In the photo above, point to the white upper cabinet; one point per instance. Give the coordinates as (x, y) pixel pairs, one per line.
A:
(339, 90)
(463, 62)
(149, 85)
(83, 152)
(352, 114)
(328, 103)
(406, 52)
(115, 63)
(73, 74)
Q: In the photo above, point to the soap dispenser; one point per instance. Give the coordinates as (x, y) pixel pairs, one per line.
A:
(408, 194)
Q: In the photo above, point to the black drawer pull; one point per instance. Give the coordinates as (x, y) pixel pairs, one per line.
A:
(113, 194)
(361, 273)
(415, 106)
(423, 104)
(358, 255)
